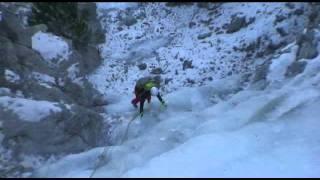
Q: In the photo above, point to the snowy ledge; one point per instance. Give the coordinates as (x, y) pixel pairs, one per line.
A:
(27, 109)
(52, 48)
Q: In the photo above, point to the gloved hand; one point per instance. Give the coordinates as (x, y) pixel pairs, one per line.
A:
(164, 104)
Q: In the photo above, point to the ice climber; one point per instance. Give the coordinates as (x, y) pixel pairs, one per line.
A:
(144, 89)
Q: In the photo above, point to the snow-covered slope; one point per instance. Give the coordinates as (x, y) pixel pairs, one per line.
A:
(253, 133)
(213, 126)
(190, 44)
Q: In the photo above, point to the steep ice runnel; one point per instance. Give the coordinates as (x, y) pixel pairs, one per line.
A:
(267, 133)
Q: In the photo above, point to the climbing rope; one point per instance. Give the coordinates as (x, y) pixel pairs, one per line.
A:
(101, 156)
(97, 164)
(127, 129)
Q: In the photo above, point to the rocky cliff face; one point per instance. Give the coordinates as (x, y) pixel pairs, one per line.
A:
(47, 104)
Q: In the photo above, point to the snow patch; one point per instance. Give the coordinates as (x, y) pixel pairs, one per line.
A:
(11, 76)
(51, 47)
(43, 79)
(116, 5)
(29, 110)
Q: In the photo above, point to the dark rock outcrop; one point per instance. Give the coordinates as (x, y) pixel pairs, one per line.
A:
(78, 126)
(156, 71)
(295, 68)
(236, 24)
(261, 72)
(71, 130)
(187, 64)
(307, 46)
(142, 66)
(204, 35)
